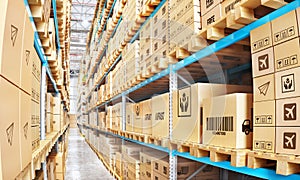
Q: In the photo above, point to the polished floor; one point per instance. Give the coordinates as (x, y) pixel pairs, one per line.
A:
(82, 163)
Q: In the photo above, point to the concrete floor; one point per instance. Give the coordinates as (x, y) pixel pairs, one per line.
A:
(82, 163)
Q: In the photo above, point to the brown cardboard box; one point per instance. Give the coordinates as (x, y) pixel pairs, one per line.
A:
(146, 117)
(261, 38)
(264, 113)
(263, 62)
(162, 14)
(287, 55)
(208, 5)
(286, 112)
(131, 150)
(145, 173)
(187, 125)
(285, 28)
(27, 56)
(12, 31)
(264, 88)
(160, 114)
(9, 128)
(49, 122)
(228, 5)
(129, 116)
(57, 104)
(287, 139)
(56, 122)
(261, 142)
(285, 82)
(224, 120)
(25, 128)
(212, 16)
(138, 115)
(158, 176)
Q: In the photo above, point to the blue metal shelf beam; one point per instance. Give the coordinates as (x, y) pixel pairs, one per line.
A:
(56, 24)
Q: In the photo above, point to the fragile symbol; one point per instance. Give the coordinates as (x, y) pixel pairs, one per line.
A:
(137, 110)
(184, 103)
(10, 133)
(264, 88)
(290, 111)
(263, 62)
(289, 140)
(25, 128)
(288, 83)
(13, 34)
(27, 56)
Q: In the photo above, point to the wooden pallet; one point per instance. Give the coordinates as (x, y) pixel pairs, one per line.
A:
(159, 141)
(285, 164)
(180, 146)
(237, 157)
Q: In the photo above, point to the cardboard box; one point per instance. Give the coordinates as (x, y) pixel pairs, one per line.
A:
(131, 150)
(158, 176)
(27, 56)
(138, 115)
(263, 62)
(160, 114)
(212, 16)
(57, 104)
(208, 5)
(228, 5)
(287, 139)
(10, 130)
(285, 28)
(12, 31)
(25, 128)
(286, 112)
(285, 82)
(261, 38)
(146, 117)
(264, 88)
(261, 142)
(145, 173)
(129, 116)
(228, 117)
(49, 122)
(264, 113)
(287, 55)
(56, 122)
(187, 117)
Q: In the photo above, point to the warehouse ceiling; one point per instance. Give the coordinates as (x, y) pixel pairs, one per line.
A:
(82, 14)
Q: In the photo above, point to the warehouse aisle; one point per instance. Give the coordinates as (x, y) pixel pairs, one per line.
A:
(82, 163)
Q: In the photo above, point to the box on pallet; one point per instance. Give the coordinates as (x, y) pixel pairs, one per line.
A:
(286, 83)
(208, 5)
(129, 116)
(137, 118)
(262, 142)
(187, 124)
(264, 88)
(12, 29)
(287, 139)
(212, 16)
(10, 130)
(160, 114)
(131, 150)
(261, 38)
(228, 117)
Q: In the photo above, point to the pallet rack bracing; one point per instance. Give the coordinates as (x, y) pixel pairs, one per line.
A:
(172, 70)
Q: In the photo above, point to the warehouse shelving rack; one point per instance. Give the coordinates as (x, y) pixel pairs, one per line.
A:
(49, 141)
(171, 71)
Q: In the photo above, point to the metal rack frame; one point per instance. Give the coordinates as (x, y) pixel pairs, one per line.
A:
(172, 72)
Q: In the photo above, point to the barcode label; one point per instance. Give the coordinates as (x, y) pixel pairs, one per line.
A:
(219, 123)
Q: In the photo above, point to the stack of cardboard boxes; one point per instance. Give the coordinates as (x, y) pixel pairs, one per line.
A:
(108, 147)
(131, 57)
(184, 22)
(16, 60)
(58, 112)
(49, 113)
(275, 53)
